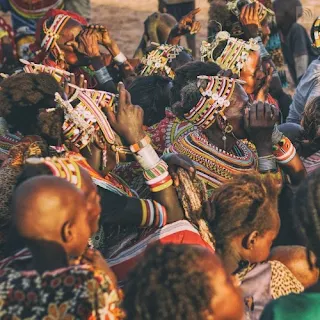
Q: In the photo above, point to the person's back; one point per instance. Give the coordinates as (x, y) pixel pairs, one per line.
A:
(76, 292)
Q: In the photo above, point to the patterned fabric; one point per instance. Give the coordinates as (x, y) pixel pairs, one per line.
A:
(264, 282)
(70, 293)
(180, 232)
(214, 165)
(312, 163)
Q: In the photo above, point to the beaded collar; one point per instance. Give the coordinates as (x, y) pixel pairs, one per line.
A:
(215, 99)
(317, 33)
(234, 55)
(215, 166)
(158, 60)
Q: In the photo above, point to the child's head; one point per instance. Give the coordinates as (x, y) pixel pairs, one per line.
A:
(287, 12)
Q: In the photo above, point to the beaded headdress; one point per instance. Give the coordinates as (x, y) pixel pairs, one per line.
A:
(263, 11)
(234, 55)
(59, 74)
(52, 34)
(316, 33)
(215, 99)
(60, 167)
(158, 60)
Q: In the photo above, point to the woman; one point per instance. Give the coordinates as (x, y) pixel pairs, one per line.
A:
(189, 283)
(63, 278)
(245, 222)
(66, 41)
(221, 110)
(306, 214)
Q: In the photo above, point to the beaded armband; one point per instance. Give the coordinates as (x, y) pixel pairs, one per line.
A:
(284, 151)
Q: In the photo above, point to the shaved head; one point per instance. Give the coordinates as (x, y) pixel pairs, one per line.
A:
(43, 205)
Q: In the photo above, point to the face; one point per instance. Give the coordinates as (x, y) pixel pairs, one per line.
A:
(252, 73)
(183, 58)
(70, 32)
(235, 112)
(226, 302)
(265, 30)
(92, 201)
(260, 250)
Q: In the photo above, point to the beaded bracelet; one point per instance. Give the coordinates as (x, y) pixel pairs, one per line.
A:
(120, 58)
(267, 163)
(103, 75)
(162, 187)
(147, 157)
(134, 148)
(284, 151)
(153, 214)
(155, 172)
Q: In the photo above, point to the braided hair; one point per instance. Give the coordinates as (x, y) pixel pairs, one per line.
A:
(24, 98)
(306, 214)
(241, 206)
(190, 72)
(168, 284)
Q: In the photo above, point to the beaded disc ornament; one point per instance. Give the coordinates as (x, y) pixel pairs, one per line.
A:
(317, 33)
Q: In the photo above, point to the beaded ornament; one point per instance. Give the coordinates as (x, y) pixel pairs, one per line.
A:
(317, 33)
(59, 74)
(234, 55)
(52, 34)
(61, 168)
(215, 99)
(158, 60)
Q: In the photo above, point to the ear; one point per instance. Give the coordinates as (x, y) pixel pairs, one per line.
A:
(67, 234)
(251, 240)
(221, 123)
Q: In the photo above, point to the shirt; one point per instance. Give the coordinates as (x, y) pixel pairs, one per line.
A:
(307, 90)
(296, 44)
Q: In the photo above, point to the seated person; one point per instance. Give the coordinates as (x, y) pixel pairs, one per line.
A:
(58, 243)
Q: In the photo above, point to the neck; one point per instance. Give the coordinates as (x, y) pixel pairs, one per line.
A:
(215, 137)
(48, 259)
(231, 259)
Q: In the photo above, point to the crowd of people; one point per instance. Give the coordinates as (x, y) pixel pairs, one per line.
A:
(161, 186)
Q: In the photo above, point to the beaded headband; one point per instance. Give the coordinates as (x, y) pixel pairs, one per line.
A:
(157, 60)
(215, 99)
(60, 167)
(84, 119)
(59, 74)
(317, 33)
(234, 55)
(52, 34)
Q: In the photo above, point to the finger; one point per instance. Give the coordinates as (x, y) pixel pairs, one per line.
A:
(174, 177)
(276, 113)
(195, 11)
(260, 111)
(268, 112)
(85, 84)
(243, 13)
(73, 44)
(128, 97)
(112, 118)
(247, 117)
(122, 97)
(81, 81)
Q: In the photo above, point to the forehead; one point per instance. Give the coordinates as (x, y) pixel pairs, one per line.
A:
(71, 29)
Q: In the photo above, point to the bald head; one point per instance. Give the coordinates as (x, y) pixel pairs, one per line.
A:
(41, 206)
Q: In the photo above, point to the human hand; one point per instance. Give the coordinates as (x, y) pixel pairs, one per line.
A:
(187, 24)
(128, 121)
(70, 90)
(250, 20)
(96, 260)
(176, 161)
(260, 119)
(87, 43)
(264, 90)
(228, 73)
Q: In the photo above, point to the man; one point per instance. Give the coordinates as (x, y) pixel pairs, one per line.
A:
(296, 44)
(179, 9)
(309, 85)
(51, 216)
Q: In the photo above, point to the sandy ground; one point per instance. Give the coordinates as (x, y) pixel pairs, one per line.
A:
(125, 18)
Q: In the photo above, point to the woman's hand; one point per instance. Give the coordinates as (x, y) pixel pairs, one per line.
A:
(188, 24)
(95, 259)
(128, 120)
(250, 20)
(264, 90)
(260, 119)
(176, 161)
(82, 83)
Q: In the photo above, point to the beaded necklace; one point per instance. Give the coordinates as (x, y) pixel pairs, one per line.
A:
(215, 166)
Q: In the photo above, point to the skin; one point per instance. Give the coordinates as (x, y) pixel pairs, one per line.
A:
(39, 199)
(265, 30)
(253, 247)
(226, 302)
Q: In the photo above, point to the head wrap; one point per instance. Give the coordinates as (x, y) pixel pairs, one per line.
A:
(52, 33)
(215, 99)
(60, 167)
(159, 59)
(234, 55)
(316, 33)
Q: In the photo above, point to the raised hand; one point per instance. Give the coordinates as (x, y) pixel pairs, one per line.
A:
(250, 20)
(187, 24)
(264, 90)
(128, 120)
